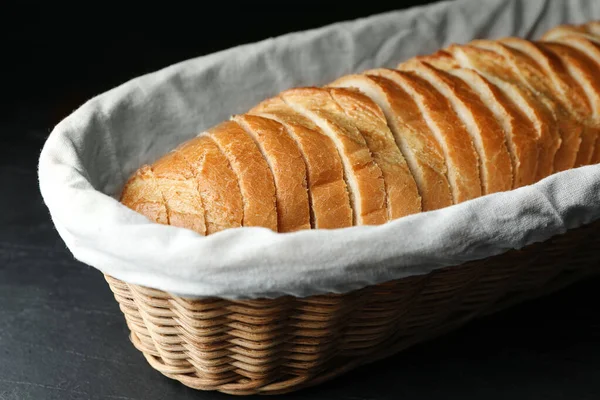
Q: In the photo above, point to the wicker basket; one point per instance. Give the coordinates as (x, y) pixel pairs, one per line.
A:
(279, 345)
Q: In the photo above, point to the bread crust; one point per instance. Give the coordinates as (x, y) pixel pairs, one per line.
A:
(422, 152)
(363, 176)
(401, 190)
(288, 169)
(141, 194)
(328, 195)
(177, 181)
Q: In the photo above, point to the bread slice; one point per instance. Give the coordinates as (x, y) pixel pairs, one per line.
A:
(441, 59)
(566, 89)
(459, 151)
(217, 184)
(254, 176)
(563, 30)
(422, 152)
(288, 169)
(586, 47)
(363, 176)
(486, 133)
(584, 74)
(529, 74)
(176, 179)
(402, 193)
(328, 195)
(141, 194)
(520, 132)
(593, 28)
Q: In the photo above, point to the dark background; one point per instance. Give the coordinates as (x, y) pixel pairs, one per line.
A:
(61, 333)
(56, 60)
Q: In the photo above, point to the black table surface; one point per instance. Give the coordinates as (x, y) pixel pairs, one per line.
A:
(62, 335)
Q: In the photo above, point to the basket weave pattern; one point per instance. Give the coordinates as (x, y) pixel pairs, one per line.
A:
(284, 344)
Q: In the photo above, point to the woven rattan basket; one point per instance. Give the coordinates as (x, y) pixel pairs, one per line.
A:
(279, 345)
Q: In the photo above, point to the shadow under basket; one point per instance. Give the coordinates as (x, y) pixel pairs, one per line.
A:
(271, 346)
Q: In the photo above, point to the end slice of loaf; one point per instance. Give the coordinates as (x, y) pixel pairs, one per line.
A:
(217, 184)
(141, 194)
(177, 181)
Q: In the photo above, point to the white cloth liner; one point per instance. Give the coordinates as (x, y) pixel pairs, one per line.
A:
(88, 156)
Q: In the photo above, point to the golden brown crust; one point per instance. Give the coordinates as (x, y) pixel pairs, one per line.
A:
(402, 193)
(486, 133)
(422, 152)
(217, 184)
(254, 176)
(521, 135)
(329, 199)
(288, 169)
(177, 181)
(142, 195)
(459, 152)
(363, 176)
